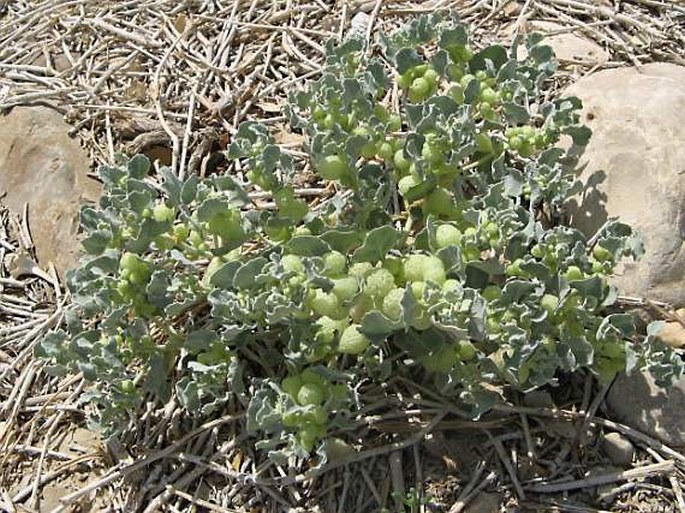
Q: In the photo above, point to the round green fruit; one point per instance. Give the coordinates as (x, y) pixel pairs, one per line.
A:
(515, 143)
(311, 394)
(332, 167)
(345, 288)
(385, 151)
(163, 214)
(491, 293)
(602, 254)
(434, 270)
(291, 385)
(401, 162)
(368, 151)
(414, 268)
(447, 235)
(353, 341)
(487, 95)
(379, 283)
(327, 304)
(440, 203)
(334, 263)
(404, 80)
(419, 90)
(549, 303)
(466, 350)
(431, 76)
(574, 273)
(392, 304)
(394, 122)
(130, 262)
(406, 183)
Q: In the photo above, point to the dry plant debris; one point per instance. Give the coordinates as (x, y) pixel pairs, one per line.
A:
(177, 78)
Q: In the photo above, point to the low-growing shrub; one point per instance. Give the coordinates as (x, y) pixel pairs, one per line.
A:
(442, 255)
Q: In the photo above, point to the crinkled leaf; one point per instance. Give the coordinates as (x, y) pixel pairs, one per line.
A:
(139, 166)
(189, 189)
(307, 245)
(223, 277)
(343, 241)
(171, 185)
(495, 54)
(406, 59)
(378, 327)
(377, 243)
(246, 275)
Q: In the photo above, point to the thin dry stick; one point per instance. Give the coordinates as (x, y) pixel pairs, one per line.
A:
(372, 487)
(397, 476)
(581, 434)
(34, 500)
(147, 460)
(665, 467)
(530, 448)
(675, 484)
(466, 498)
(200, 502)
(188, 130)
(626, 430)
(46, 478)
(345, 490)
(499, 448)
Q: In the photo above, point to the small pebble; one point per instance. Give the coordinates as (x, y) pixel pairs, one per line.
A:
(618, 449)
(485, 503)
(538, 399)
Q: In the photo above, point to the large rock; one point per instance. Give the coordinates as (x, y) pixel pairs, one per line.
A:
(638, 402)
(636, 170)
(42, 166)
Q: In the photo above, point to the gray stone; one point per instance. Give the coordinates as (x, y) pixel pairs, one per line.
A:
(636, 171)
(638, 402)
(673, 332)
(42, 166)
(568, 46)
(485, 502)
(538, 399)
(618, 449)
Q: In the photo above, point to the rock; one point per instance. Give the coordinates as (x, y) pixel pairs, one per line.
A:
(618, 449)
(485, 502)
(52, 493)
(538, 399)
(673, 334)
(42, 166)
(568, 47)
(638, 402)
(636, 171)
(81, 440)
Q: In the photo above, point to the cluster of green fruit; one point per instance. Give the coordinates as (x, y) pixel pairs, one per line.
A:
(361, 288)
(526, 140)
(309, 392)
(379, 143)
(485, 96)
(420, 82)
(489, 94)
(134, 275)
